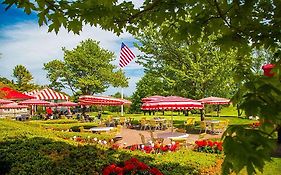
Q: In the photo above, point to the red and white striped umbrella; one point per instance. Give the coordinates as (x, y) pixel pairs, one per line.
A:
(172, 103)
(67, 104)
(180, 105)
(102, 101)
(2, 101)
(35, 102)
(48, 94)
(13, 106)
(152, 98)
(215, 100)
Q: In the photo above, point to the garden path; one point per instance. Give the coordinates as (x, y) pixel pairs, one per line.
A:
(131, 136)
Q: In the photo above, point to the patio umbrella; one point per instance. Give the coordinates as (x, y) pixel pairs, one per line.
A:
(13, 106)
(152, 98)
(2, 101)
(172, 103)
(35, 102)
(67, 104)
(102, 101)
(31, 102)
(215, 101)
(13, 94)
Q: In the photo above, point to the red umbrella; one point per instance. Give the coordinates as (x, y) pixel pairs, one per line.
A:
(152, 98)
(172, 103)
(102, 101)
(13, 106)
(215, 101)
(35, 102)
(2, 101)
(14, 94)
(67, 103)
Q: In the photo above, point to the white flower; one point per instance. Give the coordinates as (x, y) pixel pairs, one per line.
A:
(104, 142)
(74, 137)
(95, 139)
(173, 142)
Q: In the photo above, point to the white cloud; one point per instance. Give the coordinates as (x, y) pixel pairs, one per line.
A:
(27, 44)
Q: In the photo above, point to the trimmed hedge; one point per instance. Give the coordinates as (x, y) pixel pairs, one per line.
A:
(27, 149)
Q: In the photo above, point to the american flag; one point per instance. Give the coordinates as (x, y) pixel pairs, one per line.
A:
(126, 56)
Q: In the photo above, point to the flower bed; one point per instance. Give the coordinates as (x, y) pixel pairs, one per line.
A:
(154, 148)
(131, 166)
(208, 146)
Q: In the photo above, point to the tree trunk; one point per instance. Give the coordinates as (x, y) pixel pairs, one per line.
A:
(279, 135)
(202, 114)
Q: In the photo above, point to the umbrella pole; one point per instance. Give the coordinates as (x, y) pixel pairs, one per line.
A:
(218, 111)
(172, 120)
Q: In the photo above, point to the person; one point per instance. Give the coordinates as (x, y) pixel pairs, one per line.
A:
(49, 112)
(99, 115)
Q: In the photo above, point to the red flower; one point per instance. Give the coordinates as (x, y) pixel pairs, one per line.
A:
(118, 170)
(155, 171)
(210, 143)
(129, 167)
(164, 148)
(143, 166)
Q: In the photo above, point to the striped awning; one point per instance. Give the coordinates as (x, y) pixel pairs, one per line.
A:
(47, 94)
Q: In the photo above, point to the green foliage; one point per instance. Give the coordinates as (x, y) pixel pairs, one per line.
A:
(149, 85)
(251, 144)
(23, 78)
(86, 68)
(193, 68)
(26, 149)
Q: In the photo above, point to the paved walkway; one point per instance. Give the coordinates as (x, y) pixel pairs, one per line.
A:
(131, 136)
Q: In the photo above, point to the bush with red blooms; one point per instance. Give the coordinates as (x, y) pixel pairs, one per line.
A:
(255, 125)
(154, 148)
(131, 166)
(208, 146)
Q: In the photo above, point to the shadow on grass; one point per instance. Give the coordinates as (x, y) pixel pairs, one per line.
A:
(45, 156)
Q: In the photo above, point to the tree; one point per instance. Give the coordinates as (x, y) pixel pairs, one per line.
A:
(192, 68)
(23, 78)
(242, 24)
(86, 70)
(149, 85)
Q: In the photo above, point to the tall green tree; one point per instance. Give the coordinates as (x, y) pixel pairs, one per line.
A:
(86, 69)
(194, 69)
(23, 78)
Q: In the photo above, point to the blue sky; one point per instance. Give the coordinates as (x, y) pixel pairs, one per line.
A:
(22, 41)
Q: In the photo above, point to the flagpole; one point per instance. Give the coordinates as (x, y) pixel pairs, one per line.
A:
(122, 107)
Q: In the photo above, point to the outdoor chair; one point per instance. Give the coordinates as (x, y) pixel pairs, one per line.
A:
(117, 132)
(155, 140)
(189, 123)
(153, 124)
(144, 141)
(122, 121)
(143, 124)
(221, 126)
(203, 126)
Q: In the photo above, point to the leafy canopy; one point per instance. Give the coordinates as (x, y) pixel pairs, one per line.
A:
(193, 68)
(240, 22)
(85, 69)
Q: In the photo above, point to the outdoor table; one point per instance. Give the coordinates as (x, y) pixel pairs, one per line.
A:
(172, 135)
(212, 123)
(101, 129)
